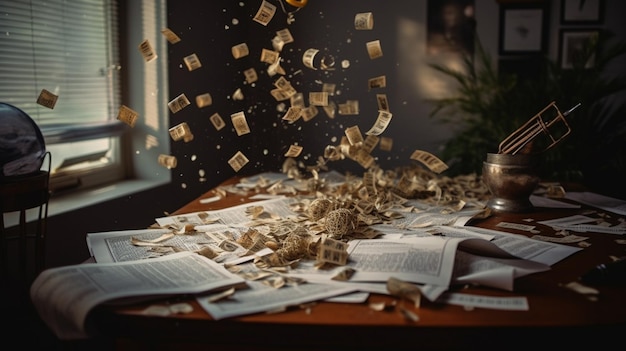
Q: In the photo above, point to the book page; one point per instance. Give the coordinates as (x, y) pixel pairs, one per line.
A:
(63, 296)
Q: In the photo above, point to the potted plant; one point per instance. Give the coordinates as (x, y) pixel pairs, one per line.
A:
(489, 105)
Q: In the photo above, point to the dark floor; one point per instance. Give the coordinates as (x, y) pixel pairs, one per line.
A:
(35, 335)
(22, 323)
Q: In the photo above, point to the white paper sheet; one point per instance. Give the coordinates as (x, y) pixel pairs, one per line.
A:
(606, 203)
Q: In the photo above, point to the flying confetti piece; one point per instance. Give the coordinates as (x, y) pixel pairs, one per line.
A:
(192, 62)
(147, 51)
(203, 100)
(240, 50)
(429, 160)
(47, 99)
(171, 37)
(127, 115)
(167, 161)
(364, 21)
(179, 103)
(238, 161)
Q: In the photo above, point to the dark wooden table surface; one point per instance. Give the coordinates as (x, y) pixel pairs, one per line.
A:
(557, 317)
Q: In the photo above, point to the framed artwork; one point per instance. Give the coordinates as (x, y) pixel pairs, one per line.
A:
(573, 46)
(582, 11)
(523, 28)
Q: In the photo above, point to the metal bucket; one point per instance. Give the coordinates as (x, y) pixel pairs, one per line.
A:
(511, 179)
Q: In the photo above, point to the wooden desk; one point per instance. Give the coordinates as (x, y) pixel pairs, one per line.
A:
(558, 317)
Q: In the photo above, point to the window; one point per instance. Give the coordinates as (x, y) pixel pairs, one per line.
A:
(71, 50)
(86, 53)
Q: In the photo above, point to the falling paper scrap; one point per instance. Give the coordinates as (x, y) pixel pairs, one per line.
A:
(275, 68)
(240, 50)
(283, 93)
(238, 161)
(171, 37)
(292, 114)
(329, 88)
(370, 142)
(364, 21)
(318, 98)
(127, 115)
(47, 99)
(294, 151)
(167, 161)
(309, 112)
(381, 124)
(374, 49)
(277, 43)
(285, 36)
(265, 13)
(181, 131)
(308, 57)
(269, 56)
(240, 123)
(383, 103)
(377, 82)
(238, 95)
(297, 100)
(217, 120)
(203, 100)
(350, 107)
(147, 51)
(330, 109)
(192, 62)
(386, 143)
(251, 75)
(282, 83)
(429, 160)
(354, 135)
(179, 103)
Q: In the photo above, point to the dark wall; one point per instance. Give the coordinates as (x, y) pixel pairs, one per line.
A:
(212, 28)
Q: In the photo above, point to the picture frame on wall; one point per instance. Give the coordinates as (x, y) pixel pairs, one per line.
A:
(582, 11)
(573, 43)
(523, 28)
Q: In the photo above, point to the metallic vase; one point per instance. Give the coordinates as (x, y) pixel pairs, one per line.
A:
(511, 179)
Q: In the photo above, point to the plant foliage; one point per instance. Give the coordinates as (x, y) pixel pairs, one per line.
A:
(489, 105)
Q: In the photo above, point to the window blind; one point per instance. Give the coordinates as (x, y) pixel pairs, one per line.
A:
(69, 48)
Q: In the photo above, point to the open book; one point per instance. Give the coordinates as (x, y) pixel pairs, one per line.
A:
(63, 296)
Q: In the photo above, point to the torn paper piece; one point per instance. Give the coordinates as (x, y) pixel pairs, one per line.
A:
(364, 21)
(168, 161)
(240, 123)
(179, 103)
(238, 161)
(192, 62)
(147, 51)
(47, 99)
(429, 160)
(127, 115)
(171, 37)
(265, 13)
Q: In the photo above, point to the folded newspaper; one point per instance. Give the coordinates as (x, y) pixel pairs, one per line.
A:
(63, 296)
